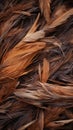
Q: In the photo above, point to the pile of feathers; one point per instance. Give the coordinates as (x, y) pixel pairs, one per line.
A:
(36, 64)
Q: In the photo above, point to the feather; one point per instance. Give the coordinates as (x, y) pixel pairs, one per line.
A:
(45, 9)
(61, 19)
(45, 71)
